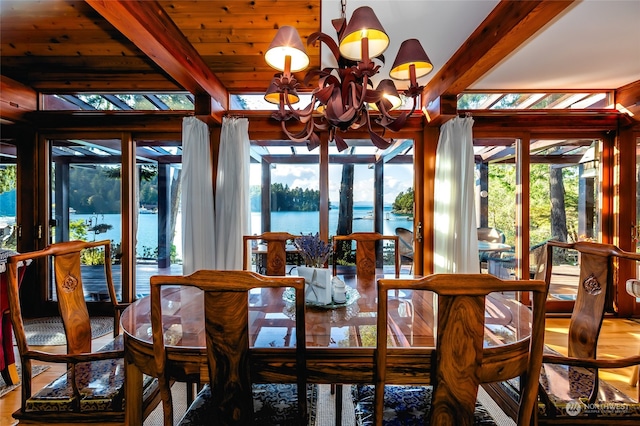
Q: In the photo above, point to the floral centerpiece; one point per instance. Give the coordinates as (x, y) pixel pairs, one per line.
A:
(315, 252)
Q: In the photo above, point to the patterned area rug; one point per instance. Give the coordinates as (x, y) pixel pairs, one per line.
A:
(323, 415)
(35, 370)
(49, 331)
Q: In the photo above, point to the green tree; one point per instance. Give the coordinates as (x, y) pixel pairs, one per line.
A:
(403, 203)
(284, 198)
(7, 178)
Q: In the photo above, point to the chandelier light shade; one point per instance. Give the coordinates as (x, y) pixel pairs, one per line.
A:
(410, 53)
(390, 95)
(363, 24)
(345, 98)
(287, 43)
(273, 94)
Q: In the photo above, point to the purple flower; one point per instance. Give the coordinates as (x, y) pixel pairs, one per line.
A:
(313, 250)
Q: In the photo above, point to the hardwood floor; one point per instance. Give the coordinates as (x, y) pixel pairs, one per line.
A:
(619, 337)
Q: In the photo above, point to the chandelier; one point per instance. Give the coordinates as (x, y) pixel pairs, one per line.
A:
(344, 98)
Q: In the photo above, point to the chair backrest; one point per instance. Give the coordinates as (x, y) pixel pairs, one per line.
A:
(276, 256)
(491, 235)
(366, 258)
(594, 294)
(66, 259)
(538, 260)
(460, 330)
(406, 242)
(226, 307)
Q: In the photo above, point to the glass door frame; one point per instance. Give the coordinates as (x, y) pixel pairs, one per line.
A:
(625, 159)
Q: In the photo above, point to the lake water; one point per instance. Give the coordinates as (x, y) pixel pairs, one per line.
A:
(292, 222)
(308, 222)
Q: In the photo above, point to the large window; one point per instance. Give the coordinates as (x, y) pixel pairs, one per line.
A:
(564, 205)
(86, 203)
(563, 196)
(364, 186)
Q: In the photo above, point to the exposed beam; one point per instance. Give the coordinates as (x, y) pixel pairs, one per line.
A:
(509, 25)
(16, 99)
(149, 27)
(399, 147)
(629, 97)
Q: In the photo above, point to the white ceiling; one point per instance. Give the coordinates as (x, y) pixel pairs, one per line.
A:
(593, 44)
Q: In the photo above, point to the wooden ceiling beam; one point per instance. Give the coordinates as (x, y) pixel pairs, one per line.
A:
(629, 97)
(16, 99)
(147, 25)
(509, 25)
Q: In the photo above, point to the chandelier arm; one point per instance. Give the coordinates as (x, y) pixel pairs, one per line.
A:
(415, 104)
(326, 39)
(363, 94)
(340, 143)
(397, 123)
(302, 136)
(376, 139)
(356, 102)
(301, 113)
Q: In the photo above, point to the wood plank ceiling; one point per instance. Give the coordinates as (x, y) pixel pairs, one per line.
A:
(67, 46)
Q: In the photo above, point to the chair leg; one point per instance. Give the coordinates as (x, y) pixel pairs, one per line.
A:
(338, 389)
(190, 393)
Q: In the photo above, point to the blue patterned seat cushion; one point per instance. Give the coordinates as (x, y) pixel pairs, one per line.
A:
(568, 386)
(404, 406)
(100, 383)
(101, 387)
(273, 404)
(571, 386)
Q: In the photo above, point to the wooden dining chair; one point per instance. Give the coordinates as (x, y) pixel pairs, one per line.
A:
(275, 262)
(571, 391)
(92, 388)
(567, 379)
(367, 247)
(460, 364)
(231, 398)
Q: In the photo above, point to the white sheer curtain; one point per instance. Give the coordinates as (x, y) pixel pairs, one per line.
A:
(198, 230)
(232, 193)
(455, 234)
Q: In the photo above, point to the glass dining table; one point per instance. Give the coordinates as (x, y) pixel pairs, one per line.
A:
(340, 339)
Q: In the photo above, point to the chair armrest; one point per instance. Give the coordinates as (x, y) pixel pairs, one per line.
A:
(121, 306)
(118, 307)
(591, 363)
(73, 358)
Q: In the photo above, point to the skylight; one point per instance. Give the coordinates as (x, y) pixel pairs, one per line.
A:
(534, 101)
(119, 102)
